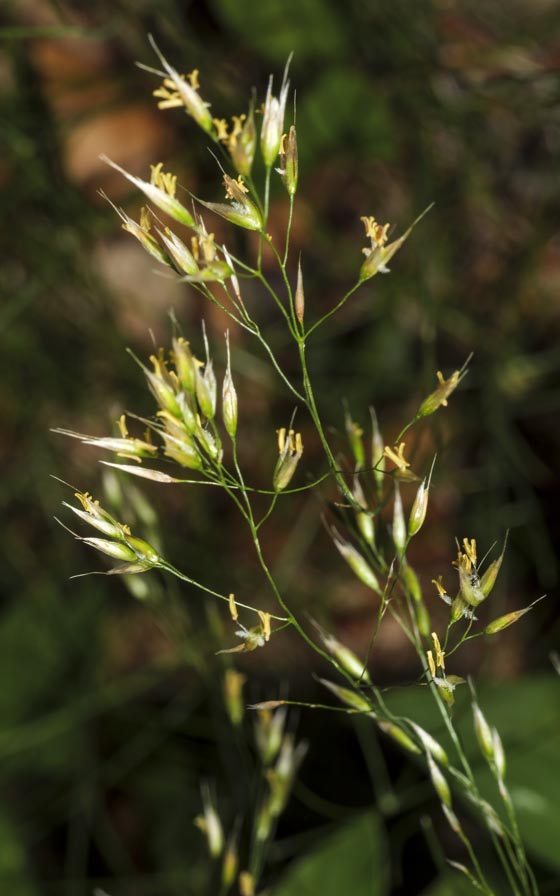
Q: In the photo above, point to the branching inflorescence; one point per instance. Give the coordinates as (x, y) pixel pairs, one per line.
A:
(193, 432)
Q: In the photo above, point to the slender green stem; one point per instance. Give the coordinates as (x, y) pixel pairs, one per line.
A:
(268, 512)
(468, 771)
(519, 860)
(279, 304)
(312, 406)
(476, 865)
(168, 567)
(262, 237)
(466, 766)
(295, 622)
(254, 192)
(267, 194)
(505, 852)
(336, 308)
(405, 429)
(293, 319)
(256, 331)
(247, 513)
(288, 230)
(204, 290)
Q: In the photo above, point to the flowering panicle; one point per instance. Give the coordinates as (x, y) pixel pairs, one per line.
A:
(123, 446)
(469, 579)
(288, 157)
(396, 455)
(200, 263)
(355, 434)
(273, 119)
(160, 190)
(179, 91)
(439, 397)
(379, 253)
(346, 658)
(210, 824)
(194, 404)
(135, 553)
(241, 211)
(357, 563)
(364, 517)
(280, 778)
(141, 232)
(185, 390)
(241, 140)
(254, 637)
(290, 450)
(445, 684)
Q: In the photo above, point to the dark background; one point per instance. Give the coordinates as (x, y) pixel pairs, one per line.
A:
(109, 711)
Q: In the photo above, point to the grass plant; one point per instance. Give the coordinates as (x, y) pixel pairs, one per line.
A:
(191, 441)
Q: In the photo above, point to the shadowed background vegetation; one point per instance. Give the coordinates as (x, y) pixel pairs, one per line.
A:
(110, 713)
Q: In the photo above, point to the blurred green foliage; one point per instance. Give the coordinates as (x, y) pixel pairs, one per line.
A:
(110, 718)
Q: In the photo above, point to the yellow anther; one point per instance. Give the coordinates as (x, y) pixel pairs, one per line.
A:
(467, 560)
(463, 562)
(168, 98)
(294, 444)
(158, 364)
(447, 386)
(440, 587)
(145, 222)
(236, 130)
(208, 247)
(164, 181)
(265, 622)
(431, 664)
(234, 187)
(121, 423)
(469, 548)
(397, 456)
(233, 608)
(221, 129)
(376, 232)
(193, 79)
(85, 500)
(440, 656)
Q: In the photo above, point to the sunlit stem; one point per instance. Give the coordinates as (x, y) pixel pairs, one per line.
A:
(289, 229)
(336, 308)
(168, 567)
